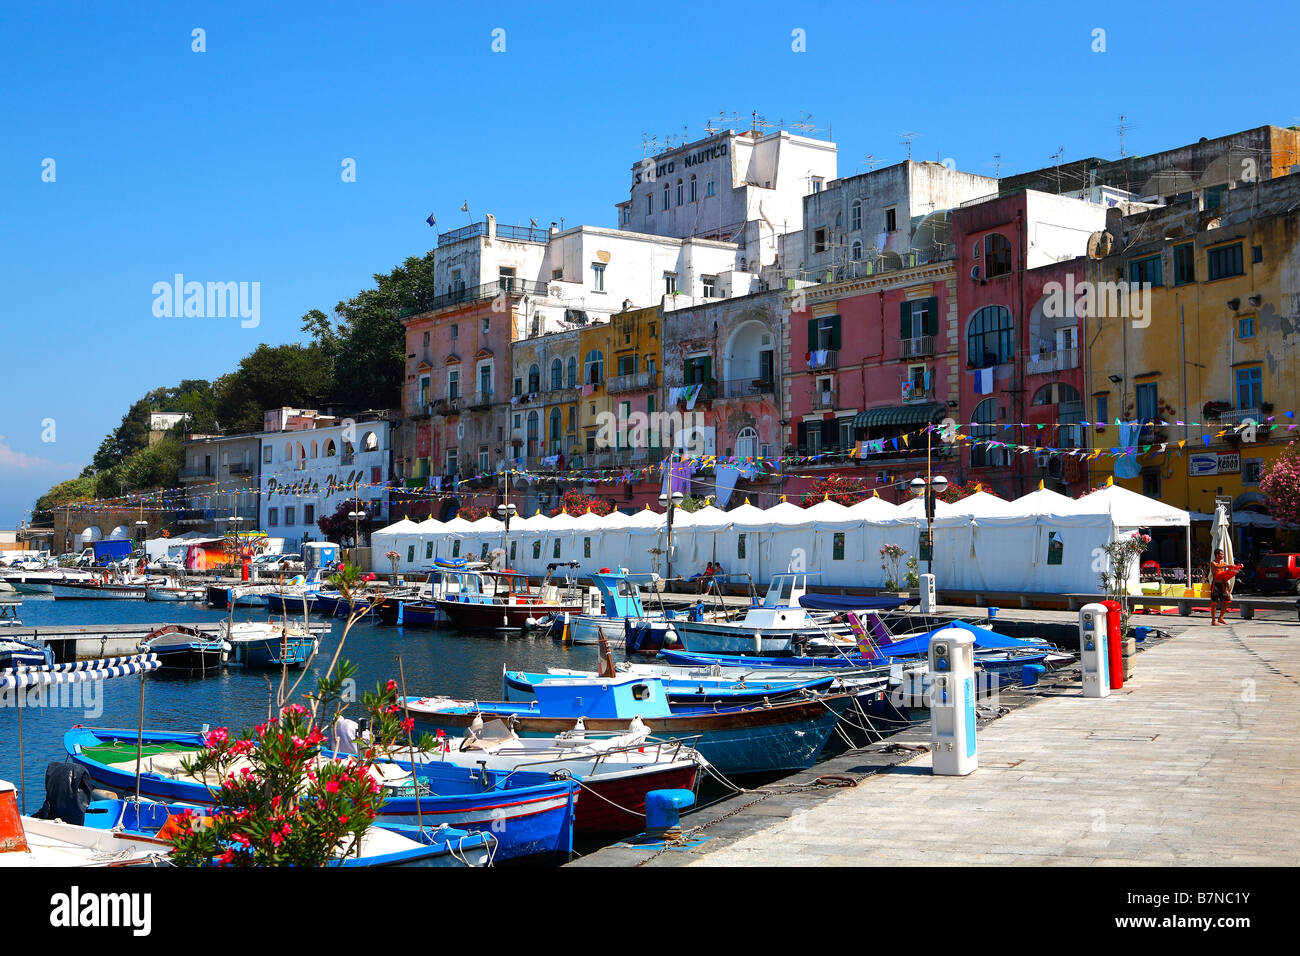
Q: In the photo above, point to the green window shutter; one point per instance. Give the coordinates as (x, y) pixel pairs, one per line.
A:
(905, 319)
(932, 316)
(835, 333)
(812, 335)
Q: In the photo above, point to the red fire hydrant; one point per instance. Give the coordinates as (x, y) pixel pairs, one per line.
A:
(1114, 643)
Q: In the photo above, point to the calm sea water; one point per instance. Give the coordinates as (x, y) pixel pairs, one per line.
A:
(442, 661)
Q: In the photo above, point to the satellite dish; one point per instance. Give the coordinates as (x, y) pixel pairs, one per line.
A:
(1100, 245)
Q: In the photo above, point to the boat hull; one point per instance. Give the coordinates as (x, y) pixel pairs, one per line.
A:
(529, 814)
(737, 740)
(702, 637)
(98, 592)
(469, 615)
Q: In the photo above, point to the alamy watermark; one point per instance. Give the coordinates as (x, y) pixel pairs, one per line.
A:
(1116, 300)
(684, 432)
(212, 300)
(85, 696)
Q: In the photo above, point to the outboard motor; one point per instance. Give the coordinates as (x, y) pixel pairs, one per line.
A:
(67, 793)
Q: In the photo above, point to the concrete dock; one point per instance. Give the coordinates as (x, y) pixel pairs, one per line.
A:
(1194, 762)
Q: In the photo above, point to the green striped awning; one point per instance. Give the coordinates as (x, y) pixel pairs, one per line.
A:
(922, 413)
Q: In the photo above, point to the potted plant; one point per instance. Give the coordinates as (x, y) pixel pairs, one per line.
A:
(393, 558)
(892, 556)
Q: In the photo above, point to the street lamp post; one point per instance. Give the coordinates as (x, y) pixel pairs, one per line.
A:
(505, 511)
(670, 501)
(931, 486)
(356, 514)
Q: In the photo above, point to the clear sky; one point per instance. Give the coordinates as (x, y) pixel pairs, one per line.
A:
(226, 165)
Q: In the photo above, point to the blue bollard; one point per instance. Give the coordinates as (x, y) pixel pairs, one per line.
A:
(993, 613)
(1140, 633)
(662, 808)
(1030, 673)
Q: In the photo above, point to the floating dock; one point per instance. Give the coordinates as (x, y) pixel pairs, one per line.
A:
(72, 642)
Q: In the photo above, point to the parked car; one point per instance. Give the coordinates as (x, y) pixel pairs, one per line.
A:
(277, 563)
(1278, 573)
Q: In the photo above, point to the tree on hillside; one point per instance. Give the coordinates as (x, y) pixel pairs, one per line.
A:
(269, 377)
(365, 338)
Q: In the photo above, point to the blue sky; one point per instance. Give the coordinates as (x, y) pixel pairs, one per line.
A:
(225, 165)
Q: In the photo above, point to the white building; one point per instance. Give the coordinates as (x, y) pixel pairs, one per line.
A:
(747, 188)
(307, 472)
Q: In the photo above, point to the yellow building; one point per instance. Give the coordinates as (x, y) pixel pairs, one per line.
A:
(1212, 344)
(619, 363)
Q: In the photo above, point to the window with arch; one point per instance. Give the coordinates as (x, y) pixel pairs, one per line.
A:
(666, 194)
(695, 188)
(747, 443)
(680, 193)
(1057, 393)
(370, 442)
(534, 378)
(330, 449)
(855, 216)
(557, 375)
(288, 452)
(315, 450)
(984, 429)
(572, 378)
(1069, 404)
(302, 457)
(856, 251)
(534, 424)
(553, 434)
(594, 368)
(989, 337)
(997, 255)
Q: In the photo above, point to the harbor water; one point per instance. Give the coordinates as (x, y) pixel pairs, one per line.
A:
(436, 661)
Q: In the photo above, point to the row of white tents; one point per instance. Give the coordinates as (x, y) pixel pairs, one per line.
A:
(1042, 542)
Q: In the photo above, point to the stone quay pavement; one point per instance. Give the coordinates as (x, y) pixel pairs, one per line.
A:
(1194, 762)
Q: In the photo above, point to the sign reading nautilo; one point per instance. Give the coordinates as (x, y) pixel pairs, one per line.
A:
(649, 171)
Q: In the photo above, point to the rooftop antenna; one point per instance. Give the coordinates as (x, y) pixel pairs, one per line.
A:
(1123, 127)
(710, 128)
(1056, 157)
(806, 124)
(997, 165)
(872, 162)
(760, 122)
(907, 141)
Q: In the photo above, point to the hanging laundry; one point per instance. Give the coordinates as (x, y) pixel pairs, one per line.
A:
(726, 483)
(983, 381)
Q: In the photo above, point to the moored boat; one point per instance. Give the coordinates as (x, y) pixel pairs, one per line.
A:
(267, 644)
(529, 813)
(96, 591)
(186, 649)
(773, 627)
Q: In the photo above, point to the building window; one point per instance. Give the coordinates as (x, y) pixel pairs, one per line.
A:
(891, 219)
(426, 340)
(695, 191)
(594, 371)
(573, 372)
(710, 286)
(1256, 254)
(1246, 327)
(1151, 482)
(534, 378)
(1148, 401)
(273, 516)
(708, 187)
(856, 252)
(989, 339)
(557, 375)
(455, 332)
(819, 241)
(680, 193)
(1213, 197)
(1222, 262)
(1184, 263)
(288, 517)
(598, 276)
(855, 215)
(670, 283)
(650, 204)
(519, 386)
(983, 455)
(816, 184)
(997, 255)
(453, 383)
(1103, 410)
(627, 214)
(1250, 386)
(453, 462)
(666, 192)
(308, 514)
(1146, 271)
(485, 379)
(266, 455)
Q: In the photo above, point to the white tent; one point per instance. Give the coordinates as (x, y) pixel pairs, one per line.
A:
(402, 537)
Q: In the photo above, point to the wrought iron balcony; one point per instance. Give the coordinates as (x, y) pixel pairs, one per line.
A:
(633, 382)
(485, 292)
(1057, 361)
(481, 399)
(823, 399)
(918, 346)
(824, 358)
(747, 387)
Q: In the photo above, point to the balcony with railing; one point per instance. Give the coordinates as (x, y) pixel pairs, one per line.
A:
(1057, 361)
(197, 472)
(824, 358)
(1235, 416)
(747, 387)
(633, 382)
(481, 399)
(513, 233)
(823, 399)
(918, 346)
(481, 293)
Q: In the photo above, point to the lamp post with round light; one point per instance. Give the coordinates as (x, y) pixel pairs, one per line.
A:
(931, 486)
(505, 511)
(670, 501)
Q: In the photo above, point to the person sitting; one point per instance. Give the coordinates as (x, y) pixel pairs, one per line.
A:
(706, 579)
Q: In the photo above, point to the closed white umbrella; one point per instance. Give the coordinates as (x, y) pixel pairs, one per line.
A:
(1221, 537)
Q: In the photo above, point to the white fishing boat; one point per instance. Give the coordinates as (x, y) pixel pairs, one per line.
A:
(173, 592)
(772, 627)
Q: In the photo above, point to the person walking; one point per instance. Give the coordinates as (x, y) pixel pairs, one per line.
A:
(1220, 586)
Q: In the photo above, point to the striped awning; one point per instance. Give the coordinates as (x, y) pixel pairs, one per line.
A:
(921, 413)
(79, 671)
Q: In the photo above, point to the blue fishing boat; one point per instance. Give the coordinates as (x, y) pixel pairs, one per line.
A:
(268, 644)
(782, 733)
(528, 812)
(383, 844)
(14, 653)
(684, 690)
